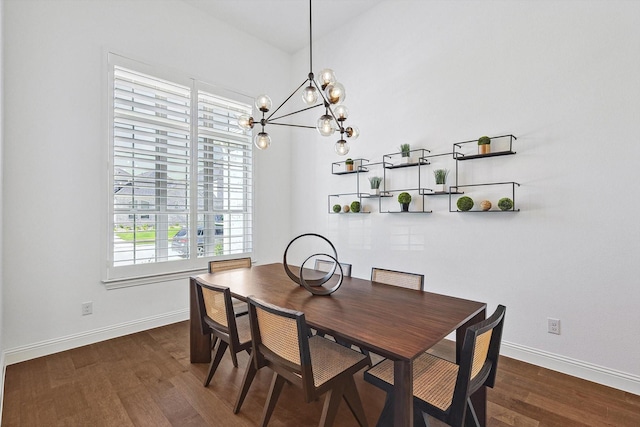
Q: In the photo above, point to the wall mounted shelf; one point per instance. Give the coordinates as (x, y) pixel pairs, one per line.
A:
(419, 158)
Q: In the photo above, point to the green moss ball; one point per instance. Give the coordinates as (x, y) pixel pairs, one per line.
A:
(465, 203)
(505, 204)
(337, 208)
(355, 206)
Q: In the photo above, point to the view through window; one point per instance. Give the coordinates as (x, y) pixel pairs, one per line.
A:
(182, 171)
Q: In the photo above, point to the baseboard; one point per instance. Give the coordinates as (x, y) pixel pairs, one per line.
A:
(577, 368)
(44, 348)
(4, 370)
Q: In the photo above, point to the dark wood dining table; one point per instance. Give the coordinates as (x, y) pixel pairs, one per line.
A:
(394, 322)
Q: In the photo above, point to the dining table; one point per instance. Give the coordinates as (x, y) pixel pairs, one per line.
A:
(393, 322)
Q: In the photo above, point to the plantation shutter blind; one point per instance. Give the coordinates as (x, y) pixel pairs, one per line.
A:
(225, 174)
(151, 164)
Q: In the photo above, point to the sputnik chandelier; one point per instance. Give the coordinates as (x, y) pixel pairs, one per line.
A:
(335, 112)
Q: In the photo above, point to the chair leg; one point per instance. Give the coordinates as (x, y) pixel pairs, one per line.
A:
(352, 398)
(249, 374)
(386, 417)
(274, 392)
(234, 358)
(471, 419)
(220, 348)
(331, 403)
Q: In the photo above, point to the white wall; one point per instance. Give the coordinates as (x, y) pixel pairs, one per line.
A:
(563, 77)
(1, 210)
(56, 155)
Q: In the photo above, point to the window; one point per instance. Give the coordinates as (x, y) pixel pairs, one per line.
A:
(181, 174)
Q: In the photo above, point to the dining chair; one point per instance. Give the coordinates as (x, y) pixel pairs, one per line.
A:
(217, 318)
(398, 278)
(239, 307)
(326, 265)
(282, 341)
(441, 388)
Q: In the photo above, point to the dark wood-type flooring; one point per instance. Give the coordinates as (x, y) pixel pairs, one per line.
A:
(146, 379)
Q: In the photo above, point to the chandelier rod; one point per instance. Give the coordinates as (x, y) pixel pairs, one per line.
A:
(310, 43)
(270, 121)
(285, 101)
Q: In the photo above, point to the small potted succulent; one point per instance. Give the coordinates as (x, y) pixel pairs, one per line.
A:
(355, 206)
(348, 164)
(441, 178)
(484, 145)
(404, 199)
(405, 150)
(375, 185)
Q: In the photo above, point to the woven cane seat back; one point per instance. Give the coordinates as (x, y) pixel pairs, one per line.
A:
(279, 334)
(480, 352)
(214, 306)
(228, 264)
(398, 278)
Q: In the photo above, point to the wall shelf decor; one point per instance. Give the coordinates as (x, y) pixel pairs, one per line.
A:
(409, 172)
(494, 208)
(503, 143)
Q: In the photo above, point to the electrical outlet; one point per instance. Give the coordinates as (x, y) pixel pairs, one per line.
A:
(553, 325)
(87, 308)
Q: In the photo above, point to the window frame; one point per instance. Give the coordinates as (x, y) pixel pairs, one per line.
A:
(136, 274)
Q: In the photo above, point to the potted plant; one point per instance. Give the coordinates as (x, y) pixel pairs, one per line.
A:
(375, 184)
(355, 206)
(348, 164)
(484, 145)
(441, 178)
(404, 199)
(405, 150)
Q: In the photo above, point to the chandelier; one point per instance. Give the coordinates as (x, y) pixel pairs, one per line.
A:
(324, 91)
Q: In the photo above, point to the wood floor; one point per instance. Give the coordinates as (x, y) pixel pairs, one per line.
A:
(146, 379)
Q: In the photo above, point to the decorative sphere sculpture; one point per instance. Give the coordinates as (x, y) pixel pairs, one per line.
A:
(315, 285)
(485, 205)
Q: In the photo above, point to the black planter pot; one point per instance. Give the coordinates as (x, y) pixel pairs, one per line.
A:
(405, 207)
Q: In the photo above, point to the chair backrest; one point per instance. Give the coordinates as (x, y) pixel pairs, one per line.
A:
(281, 340)
(325, 266)
(216, 311)
(398, 278)
(228, 264)
(478, 360)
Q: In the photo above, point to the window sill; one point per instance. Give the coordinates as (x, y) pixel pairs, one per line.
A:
(126, 282)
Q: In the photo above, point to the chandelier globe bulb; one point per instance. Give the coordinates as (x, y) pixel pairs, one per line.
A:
(335, 93)
(325, 125)
(310, 95)
(353, 132)
(341, 112)
(245, 122)
(341, 147)
(326, 77)
(262, 140)
(263, 103)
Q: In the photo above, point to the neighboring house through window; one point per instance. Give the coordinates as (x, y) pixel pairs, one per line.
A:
(181, 172)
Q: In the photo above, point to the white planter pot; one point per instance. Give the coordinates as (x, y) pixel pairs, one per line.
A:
(439, 188)
(375, 192)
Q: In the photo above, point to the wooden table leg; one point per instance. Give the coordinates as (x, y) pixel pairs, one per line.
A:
(199, 344)
(479, 398)
(403, 404)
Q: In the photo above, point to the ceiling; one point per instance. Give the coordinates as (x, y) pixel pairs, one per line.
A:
(284, 23)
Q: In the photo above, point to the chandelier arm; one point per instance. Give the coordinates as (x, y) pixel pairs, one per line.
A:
(285, 101)
(295, 112)
(295, 126)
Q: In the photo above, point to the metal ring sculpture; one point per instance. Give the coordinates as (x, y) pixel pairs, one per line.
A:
(314, 285)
